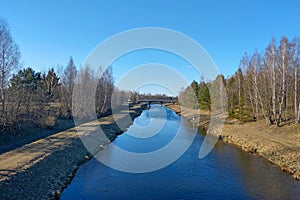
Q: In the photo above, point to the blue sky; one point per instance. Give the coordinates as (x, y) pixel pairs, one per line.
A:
(49, 32)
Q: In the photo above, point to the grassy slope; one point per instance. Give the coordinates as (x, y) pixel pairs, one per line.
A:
(41, 169)
(280, 146)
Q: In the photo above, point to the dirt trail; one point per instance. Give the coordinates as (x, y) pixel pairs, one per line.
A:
(22, 158)
(41, 169)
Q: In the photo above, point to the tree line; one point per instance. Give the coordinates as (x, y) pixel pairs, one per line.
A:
(196, 95)
(268, 83)
(265, 85)
(35, 99)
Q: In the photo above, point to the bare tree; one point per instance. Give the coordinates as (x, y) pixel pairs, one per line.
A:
(240, 79)
(295, 52)
(9, 60)
(284, 65)
(104, 91)
(83, 102)
(270, 61)
(298, 117)
(247, 77)
(251, 83)
(254, 66)
(271, 81)
(68, 81)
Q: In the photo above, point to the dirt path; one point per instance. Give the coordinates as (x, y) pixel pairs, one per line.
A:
(41, 169)
(280, 146)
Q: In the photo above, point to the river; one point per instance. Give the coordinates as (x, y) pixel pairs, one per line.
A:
(225, 173)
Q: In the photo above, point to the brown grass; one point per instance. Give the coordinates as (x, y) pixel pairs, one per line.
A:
(279, 145)
(41, 169)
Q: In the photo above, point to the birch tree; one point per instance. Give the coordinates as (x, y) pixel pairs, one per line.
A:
(270, 61)
(9, 61)
(241, 94)
(284, 65)
(68, 81)
(104, 92)
(271, 83)
(249, 85)
(295, 52)
(254, 65)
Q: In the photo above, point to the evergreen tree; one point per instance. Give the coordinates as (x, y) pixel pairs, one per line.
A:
(204, 96)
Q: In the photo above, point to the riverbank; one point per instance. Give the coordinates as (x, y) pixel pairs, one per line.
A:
(280, 146)
(42, 169)
(10, 141)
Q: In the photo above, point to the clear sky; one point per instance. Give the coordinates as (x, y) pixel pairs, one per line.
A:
(48, 32)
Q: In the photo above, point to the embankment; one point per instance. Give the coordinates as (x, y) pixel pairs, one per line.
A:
(280, 146)
(41, 169)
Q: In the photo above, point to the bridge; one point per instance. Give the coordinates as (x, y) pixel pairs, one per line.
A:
(161, 101)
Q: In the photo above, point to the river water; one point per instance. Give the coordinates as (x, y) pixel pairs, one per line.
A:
(225, 173)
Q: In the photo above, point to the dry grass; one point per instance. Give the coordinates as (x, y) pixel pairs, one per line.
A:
(279, 145)
(41, 169)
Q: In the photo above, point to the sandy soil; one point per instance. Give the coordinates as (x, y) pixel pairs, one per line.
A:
(41, 169)
(280, 146)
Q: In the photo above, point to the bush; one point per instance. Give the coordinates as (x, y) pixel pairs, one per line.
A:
(50, 121)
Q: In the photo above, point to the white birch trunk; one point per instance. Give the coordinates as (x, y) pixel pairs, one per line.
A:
(283, 92)
(295, 62)
(298, 118)
(295, 94)
(256, 86)
(273, 84)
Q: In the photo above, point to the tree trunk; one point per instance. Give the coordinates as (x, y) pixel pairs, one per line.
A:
(295, 94)
(255, 85)
(295, 62)
(240, 98)
(3, 95)
(251, 99)
(221, 94)
(262, 106)
(283, 92)
(298, 118)
(273, 86)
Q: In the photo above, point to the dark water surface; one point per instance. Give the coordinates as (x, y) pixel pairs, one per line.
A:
(225, 173)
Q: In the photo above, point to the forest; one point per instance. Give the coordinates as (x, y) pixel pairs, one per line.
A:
(265, 86)
(38, 99)
(35, 99)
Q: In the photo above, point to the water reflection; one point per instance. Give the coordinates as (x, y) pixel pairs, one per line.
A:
(225, 173)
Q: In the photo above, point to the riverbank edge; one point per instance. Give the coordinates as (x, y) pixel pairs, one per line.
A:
(286, 159)
(30, 182)
(116, 132)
